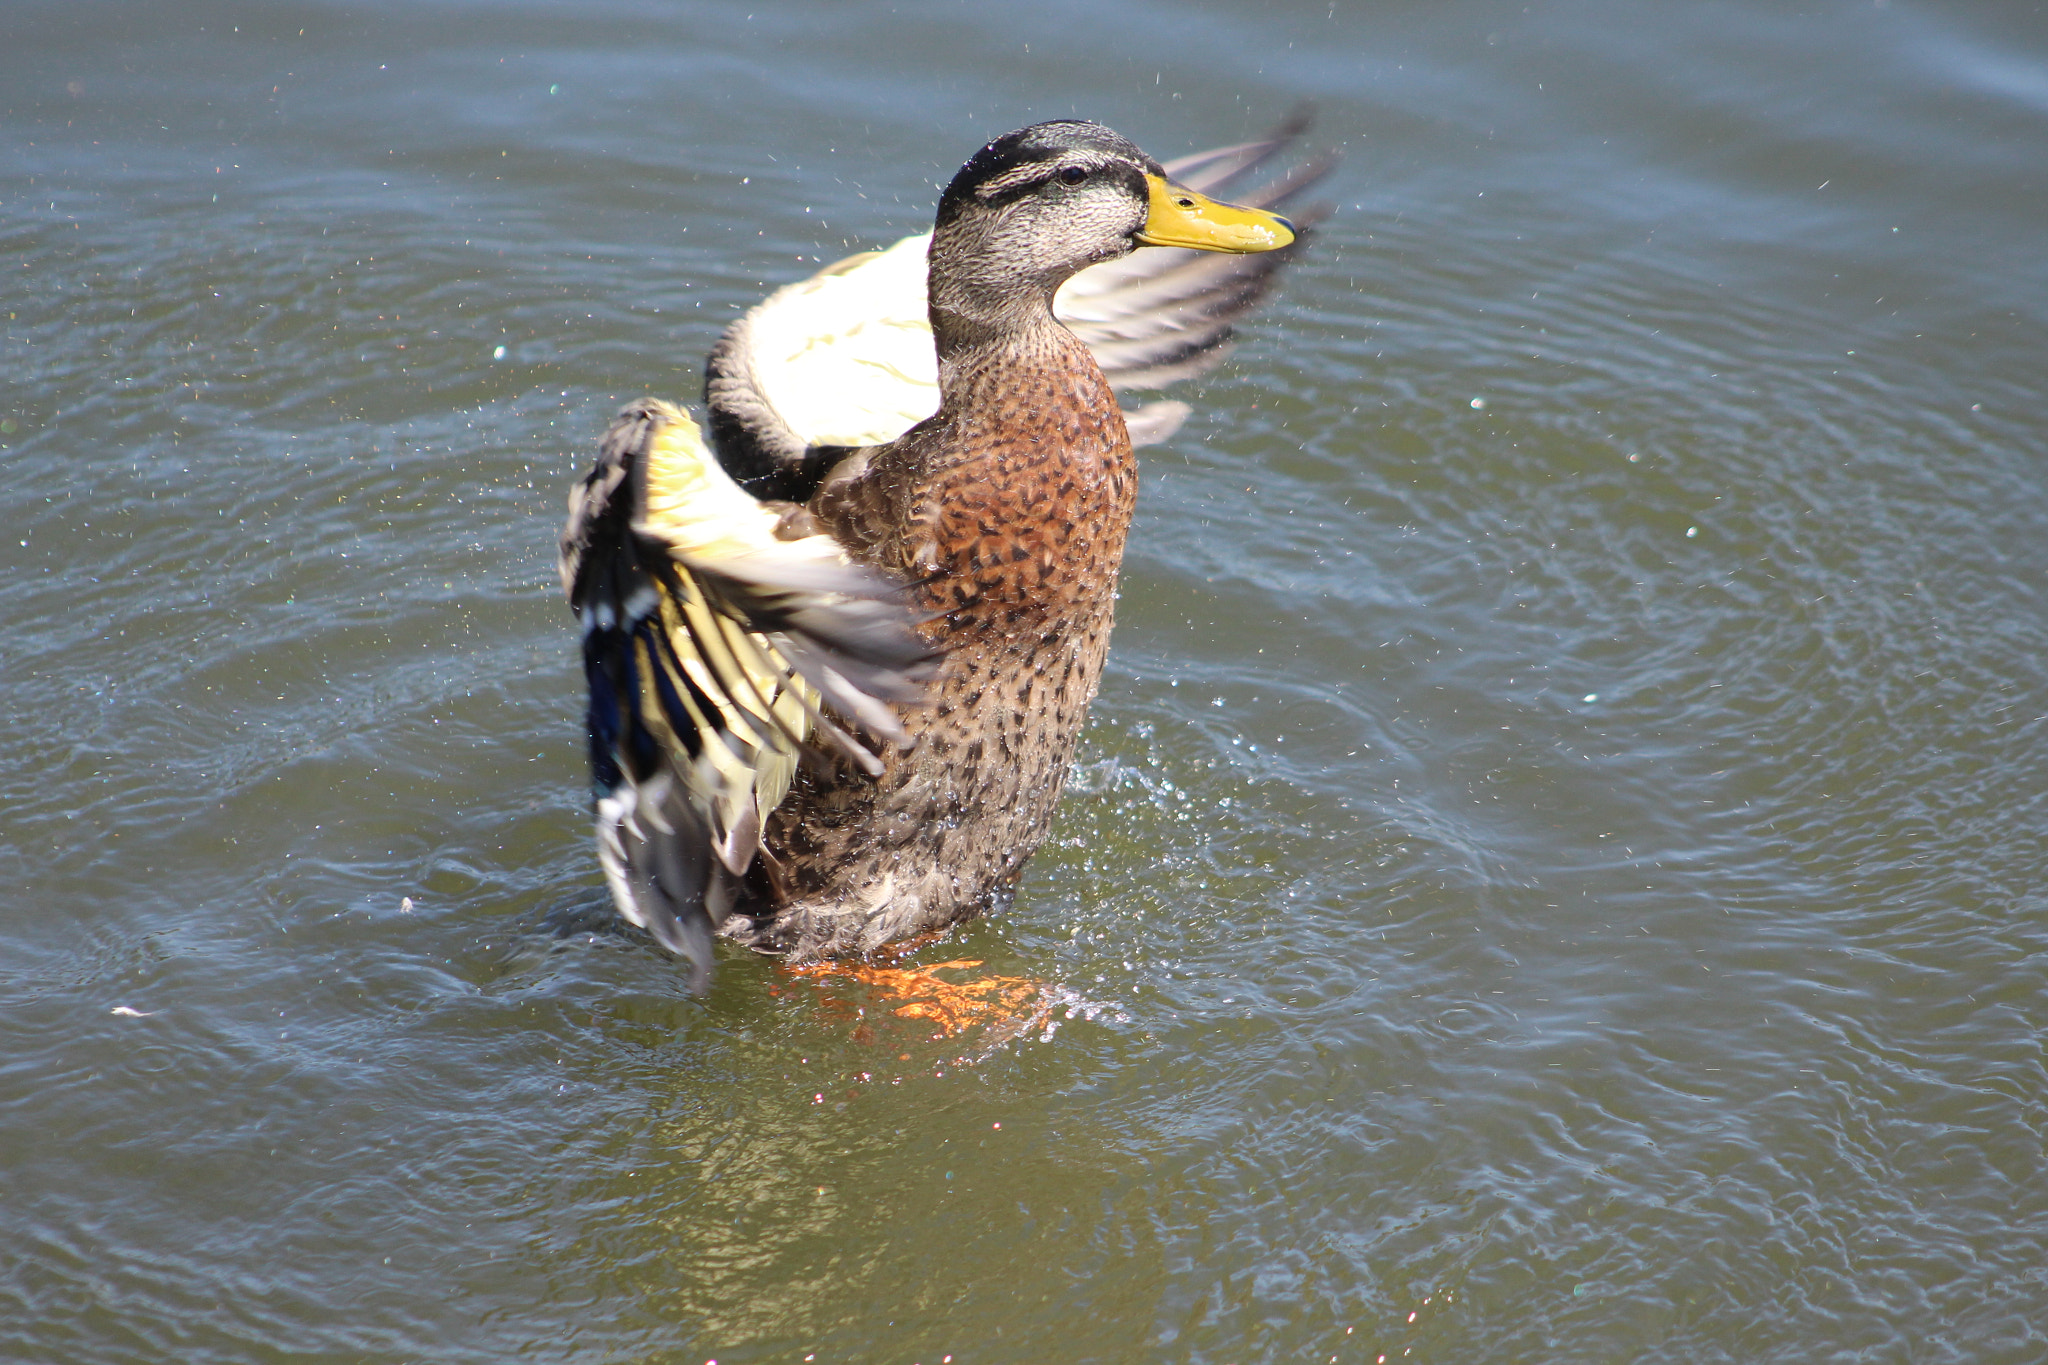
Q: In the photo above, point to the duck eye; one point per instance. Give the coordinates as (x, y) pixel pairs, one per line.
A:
(1072, 175)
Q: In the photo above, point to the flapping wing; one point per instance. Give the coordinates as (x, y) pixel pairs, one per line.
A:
(1165, 314)
(846, 359)
(715, 650)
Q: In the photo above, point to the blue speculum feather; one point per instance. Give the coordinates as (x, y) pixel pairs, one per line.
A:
(642, 754)
(605, 775)
(601, 716)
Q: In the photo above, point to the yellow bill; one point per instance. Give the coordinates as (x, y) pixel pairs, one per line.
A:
(1181, 217)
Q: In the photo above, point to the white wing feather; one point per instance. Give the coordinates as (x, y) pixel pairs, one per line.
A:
(846, 357)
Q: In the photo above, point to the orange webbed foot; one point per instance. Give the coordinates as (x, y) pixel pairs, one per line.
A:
(1005, 1006)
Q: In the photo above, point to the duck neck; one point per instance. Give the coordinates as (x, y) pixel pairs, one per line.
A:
(983, 301)
(974, 328)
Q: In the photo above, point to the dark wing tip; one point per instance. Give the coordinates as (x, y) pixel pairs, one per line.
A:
(1159, 317)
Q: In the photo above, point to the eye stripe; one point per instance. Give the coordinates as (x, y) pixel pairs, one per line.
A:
(1033, 174)
(1024, 178)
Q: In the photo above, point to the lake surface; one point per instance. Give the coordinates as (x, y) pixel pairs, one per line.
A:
(1556, 868)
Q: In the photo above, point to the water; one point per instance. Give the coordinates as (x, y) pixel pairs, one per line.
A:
(1555, 869)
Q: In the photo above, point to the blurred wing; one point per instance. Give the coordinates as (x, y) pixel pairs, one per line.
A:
(845, 358)
(711, 647)
(1165, 314)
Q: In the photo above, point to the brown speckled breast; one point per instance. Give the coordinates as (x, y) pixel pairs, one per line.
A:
(1009, 508)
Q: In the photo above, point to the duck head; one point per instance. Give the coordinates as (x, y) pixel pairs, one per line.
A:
(1035, 207)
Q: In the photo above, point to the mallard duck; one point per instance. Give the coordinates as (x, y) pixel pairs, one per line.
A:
(838, 669)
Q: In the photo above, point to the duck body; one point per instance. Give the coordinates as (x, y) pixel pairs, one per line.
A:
(947, 593)
(1009, 510)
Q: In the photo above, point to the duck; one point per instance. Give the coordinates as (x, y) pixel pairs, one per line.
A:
(840, 651)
